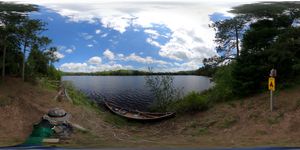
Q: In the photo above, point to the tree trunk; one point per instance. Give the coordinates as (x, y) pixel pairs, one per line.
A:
(3, 59)
(24, 59)
(237, 42)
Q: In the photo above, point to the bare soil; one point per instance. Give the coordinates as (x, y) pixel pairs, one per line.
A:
(246, 122)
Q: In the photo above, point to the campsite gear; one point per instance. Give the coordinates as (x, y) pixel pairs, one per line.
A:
(137, 115)
(63, 131)
(40, 131)
(53, 124)
(60, 119)
(57, 116)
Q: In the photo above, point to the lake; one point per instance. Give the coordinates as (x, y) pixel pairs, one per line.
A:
(131, 91)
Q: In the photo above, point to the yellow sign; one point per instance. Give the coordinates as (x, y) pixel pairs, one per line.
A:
(271, 83)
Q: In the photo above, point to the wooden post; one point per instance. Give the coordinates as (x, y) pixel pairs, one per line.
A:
(273, 74)
(271, 100)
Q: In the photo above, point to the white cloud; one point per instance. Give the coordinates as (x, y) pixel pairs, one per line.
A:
(90, 45)
(86, 36)
(104, 35)
(95, 60)
(74, 67)
(69, 50)
(152, 42)
(109, 54)
(59, 55)
(98, 31)
(84, 67)
(120, 55)
(153, 33)
(61, 47)
(145, 60)
(50, 18)
(133, 57)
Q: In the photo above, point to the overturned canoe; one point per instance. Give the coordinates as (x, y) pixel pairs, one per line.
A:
(137, 115)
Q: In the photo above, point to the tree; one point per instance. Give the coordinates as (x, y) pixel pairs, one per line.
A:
(228, 34)
(270, 41)
(29, 31)
(51, 55)
(10, 16)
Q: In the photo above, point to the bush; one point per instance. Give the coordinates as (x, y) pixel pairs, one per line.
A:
(191, 103)
(223, 88)
(163, 90)
(53, 73)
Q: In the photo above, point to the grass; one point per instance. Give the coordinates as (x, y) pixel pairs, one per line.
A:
(229, 121)
(200, 131)
(79, 98)
(274, 119)
(47, 84)
(115, 120)
(193, 102)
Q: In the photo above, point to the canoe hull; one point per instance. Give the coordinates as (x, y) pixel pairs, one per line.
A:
(137, 115)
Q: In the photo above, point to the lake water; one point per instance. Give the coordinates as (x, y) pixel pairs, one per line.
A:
(131, 91)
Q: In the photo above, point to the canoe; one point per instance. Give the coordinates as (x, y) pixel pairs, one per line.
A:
(137, 115)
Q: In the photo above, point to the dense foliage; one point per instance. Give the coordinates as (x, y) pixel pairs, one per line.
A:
(23, 50)
(270, 39)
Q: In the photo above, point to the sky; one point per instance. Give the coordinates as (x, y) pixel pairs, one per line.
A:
(103, 35)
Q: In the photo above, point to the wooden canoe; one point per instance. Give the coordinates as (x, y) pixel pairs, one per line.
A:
(137, 115)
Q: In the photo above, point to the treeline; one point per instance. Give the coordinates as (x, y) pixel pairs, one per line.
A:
(127, 73)
(260, 37)
(24, 51)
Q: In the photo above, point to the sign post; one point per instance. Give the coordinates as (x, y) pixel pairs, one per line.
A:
(271, 85)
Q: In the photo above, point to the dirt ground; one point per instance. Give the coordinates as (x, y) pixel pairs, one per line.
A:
(247, 122)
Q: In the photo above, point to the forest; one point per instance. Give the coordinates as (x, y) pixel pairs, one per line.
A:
(24, 51)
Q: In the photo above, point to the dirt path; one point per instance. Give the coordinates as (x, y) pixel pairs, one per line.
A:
(233, 124)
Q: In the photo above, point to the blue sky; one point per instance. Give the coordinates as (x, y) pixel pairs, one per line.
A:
(110, 35)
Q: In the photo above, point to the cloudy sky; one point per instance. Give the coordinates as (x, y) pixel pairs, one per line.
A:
(137, 34)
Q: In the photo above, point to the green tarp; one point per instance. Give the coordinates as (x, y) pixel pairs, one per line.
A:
(40, 131)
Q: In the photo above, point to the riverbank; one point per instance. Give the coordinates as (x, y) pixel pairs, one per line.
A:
(246, 122)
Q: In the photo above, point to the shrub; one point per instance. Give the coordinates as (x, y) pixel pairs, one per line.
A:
(223, 88)
(163, 90)
(191, 103)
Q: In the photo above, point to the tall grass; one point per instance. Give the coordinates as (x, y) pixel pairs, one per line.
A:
(79, 98)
